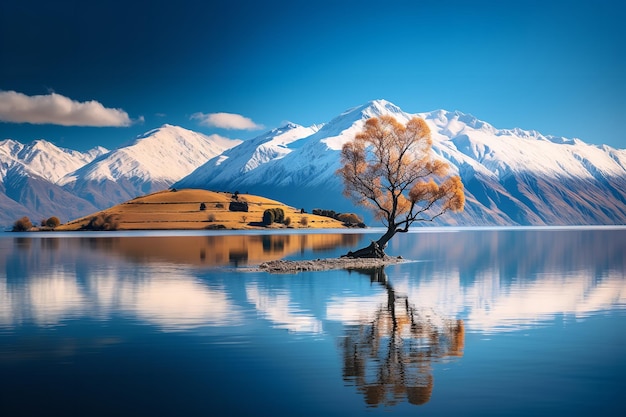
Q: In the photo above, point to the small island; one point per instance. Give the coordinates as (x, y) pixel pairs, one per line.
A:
(196, 209)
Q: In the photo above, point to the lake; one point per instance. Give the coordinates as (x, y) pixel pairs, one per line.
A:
(477, 322)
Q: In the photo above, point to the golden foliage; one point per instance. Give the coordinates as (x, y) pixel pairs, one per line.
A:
(453, 190)
(424, 191)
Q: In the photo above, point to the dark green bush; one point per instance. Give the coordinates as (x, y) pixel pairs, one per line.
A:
(279, 215)
(326, 213)
(273, 215)
(268, 217)
(349, 218)
(238, 206)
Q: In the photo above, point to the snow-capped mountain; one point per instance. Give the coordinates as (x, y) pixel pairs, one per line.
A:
(43, 158)
(41, 180)
(511, 176)
(152, 162)
(27, 176)
(531, 178)
(305, 175)
(250, 155)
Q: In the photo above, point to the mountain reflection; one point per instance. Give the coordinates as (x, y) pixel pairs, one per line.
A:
(388, 357)
(515, 253)
(495, 280)
(504, 280)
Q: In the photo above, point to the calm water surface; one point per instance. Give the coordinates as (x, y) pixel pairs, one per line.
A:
(480, 322)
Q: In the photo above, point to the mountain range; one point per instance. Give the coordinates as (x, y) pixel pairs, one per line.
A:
(511, 176)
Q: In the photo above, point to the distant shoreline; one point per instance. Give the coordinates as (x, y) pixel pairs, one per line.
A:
(366, 230)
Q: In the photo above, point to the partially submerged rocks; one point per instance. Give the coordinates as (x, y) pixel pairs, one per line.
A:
(283, 266)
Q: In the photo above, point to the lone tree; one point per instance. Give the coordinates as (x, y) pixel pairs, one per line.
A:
(389, 168)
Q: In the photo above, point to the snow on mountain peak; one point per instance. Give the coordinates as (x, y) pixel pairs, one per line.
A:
(288, 126)
(343, 127)
(250, 155)
(373, 108)
(513, 176)
(165, 154)
(454, 123)
(471, 143)
(43, 159)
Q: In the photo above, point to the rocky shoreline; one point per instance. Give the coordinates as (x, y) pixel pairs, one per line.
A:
(283, 266)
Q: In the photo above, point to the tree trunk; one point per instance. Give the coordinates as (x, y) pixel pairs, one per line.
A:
(382, 242)
(375, 249)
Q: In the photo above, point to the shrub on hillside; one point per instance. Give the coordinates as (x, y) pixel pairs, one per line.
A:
(22, 225)
(279, 215)
(102, 222)
(349, 219)
(53, 222)
(326, 213)
(268, 217)
(238, 206)
(273, 215)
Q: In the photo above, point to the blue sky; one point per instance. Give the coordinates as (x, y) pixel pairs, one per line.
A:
(124, 67)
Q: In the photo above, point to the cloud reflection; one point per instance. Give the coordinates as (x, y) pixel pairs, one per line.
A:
(492, 305)
(162, 296)
(504, 280)
(278, 307)
(495, 280)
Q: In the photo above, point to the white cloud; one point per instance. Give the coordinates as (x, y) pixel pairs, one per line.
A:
(226, 121)
(59, 110)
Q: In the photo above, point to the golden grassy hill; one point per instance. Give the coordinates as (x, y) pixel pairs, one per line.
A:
(180, 209)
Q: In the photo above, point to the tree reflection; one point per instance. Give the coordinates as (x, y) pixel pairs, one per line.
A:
(389, 357)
